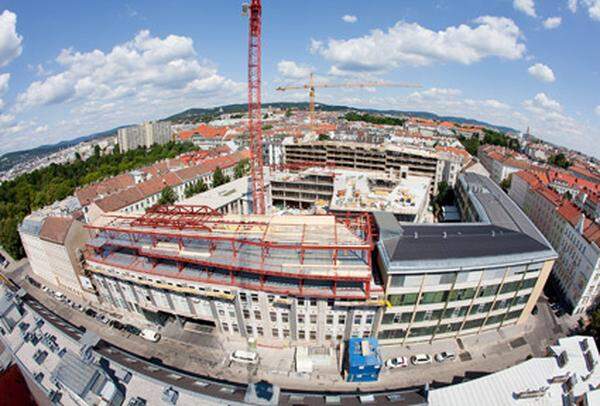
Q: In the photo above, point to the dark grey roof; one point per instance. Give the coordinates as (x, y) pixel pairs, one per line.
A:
(503, 234)
(435, 242)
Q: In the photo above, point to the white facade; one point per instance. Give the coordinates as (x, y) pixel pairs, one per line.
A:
(144, 135)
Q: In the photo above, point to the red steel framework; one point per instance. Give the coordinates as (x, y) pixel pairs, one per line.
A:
(254, 107)
(158, 221)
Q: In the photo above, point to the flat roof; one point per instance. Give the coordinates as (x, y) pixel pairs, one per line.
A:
(504, 234)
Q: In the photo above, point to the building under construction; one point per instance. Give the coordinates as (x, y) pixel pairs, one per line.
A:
(324, 278)
(270, 277)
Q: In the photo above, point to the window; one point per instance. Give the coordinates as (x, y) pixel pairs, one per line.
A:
(358, 319)
(259, 330)
(313, 318)
(257, 315)
(285, 317)
(461, 294)
(255, 297)
(301, 335)
(403, 300)
(301, 318)
(434, 297)
(273, 316)
(369, 319)
(246, 313)
(313, 302)
(286, 333)
(300, 302)
(275, 333)
(342, 319)
(249, 330)
(313, 335)
(330, 319)
(235, 328)
(225, 326)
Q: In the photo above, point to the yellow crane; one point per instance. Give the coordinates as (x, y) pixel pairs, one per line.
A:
(311, 86)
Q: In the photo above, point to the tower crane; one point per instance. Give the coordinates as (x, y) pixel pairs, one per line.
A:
(254, 13)
(311, 86)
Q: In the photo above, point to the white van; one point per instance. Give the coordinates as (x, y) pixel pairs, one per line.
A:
(245, 357)
(150, 335)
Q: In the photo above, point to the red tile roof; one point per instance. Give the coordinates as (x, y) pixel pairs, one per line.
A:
(112, 185)
(204, 131)
(55, 229)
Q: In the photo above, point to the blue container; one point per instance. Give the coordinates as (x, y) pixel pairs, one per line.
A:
(363, 361)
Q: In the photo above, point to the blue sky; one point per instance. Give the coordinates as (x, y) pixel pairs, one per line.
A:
(70, 68)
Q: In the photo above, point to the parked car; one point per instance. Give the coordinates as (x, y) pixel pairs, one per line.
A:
(150, 335)
(116, 324)
(102, 319)
(132, 329)
(91, 312)
(398, 362)
(445, 356)
(45, 289)
(245, 357)
(421, 359)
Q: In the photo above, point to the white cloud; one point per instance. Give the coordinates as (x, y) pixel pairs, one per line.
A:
(349, 19)
(4, 78)
(541, 102)
(572, 5)
(542, 72)
(597, 110)
(292, 70)
(139, 69)
(552, 22)
(525, 6)
(593, 7)
(10, 40)
(41, 129)
(414, 45)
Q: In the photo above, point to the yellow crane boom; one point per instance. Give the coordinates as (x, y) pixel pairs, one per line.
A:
(311, 86)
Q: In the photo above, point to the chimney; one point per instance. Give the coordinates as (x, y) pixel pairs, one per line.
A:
(581, 223)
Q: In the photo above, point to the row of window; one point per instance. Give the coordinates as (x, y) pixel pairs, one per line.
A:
(448, 328)
(460, 294)
(453, 312)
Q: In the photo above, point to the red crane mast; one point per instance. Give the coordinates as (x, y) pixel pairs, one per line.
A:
(254, 106)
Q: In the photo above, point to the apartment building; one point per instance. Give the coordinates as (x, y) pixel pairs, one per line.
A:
(501, 162)
(53, 244)
(447, 280)
(574, 236)
(144, 135)
(146, 193)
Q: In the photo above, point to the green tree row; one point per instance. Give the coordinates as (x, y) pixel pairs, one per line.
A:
(369, 118)
(490, 137)
(39, 188)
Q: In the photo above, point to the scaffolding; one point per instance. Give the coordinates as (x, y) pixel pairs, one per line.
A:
(318, 255)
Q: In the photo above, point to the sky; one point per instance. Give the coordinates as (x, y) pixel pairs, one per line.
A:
(71, 68)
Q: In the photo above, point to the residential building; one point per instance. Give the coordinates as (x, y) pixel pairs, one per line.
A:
(53, 242)
(573, 235)
(205, 136)
(144, 135)
(501, 162)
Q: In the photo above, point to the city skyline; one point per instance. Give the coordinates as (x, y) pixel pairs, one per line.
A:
(520, 64)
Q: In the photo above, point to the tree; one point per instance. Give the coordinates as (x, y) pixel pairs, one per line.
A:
(97, 151)
(288, 113)
(242, 168)
(167, 196)
(195, 188)
(559, 160)
(219, 178)
(77, 156)
(505, 183)
(324, 137)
